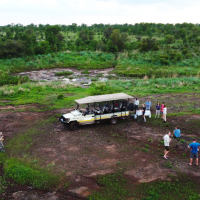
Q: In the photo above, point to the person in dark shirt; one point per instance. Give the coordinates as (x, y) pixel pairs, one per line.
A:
(143, 111)
(157, 110)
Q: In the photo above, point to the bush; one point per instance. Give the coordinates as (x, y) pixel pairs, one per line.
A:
(13, 80)
(60, 96)
(102, 88)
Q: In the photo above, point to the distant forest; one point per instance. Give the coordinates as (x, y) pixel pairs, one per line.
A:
(169, 42)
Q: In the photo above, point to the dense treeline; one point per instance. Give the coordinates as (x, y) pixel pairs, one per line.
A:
(174, 41)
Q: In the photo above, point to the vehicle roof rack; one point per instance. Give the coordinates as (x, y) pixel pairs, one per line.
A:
(102, 98)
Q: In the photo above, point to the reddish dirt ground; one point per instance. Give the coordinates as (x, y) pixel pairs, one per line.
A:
(100, 149)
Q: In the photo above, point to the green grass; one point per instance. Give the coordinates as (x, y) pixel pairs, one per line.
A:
(44, 94)
(80, 60)
(26, 174)
(65, 73)
(181, 187)
(85, 72)
(114, 187)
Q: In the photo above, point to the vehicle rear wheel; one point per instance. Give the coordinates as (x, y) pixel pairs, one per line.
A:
(113, 121)
(73, 126)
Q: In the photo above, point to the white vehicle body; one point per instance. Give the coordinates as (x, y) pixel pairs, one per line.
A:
(77, 117)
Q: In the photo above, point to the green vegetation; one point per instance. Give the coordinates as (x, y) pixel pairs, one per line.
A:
(114, 187)
(81, 60)
(3, 184)
(16, 163)
(85, 72)
(65, 73)
(13, 80)
(26, 174)
(155, 58)
(46, 94)
(180, 187)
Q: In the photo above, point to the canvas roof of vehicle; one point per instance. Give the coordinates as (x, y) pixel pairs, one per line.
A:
(103, 98)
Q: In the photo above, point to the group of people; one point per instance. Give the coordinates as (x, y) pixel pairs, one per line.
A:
(160, 109)
(194, 146)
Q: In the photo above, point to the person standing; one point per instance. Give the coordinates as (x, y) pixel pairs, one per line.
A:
(157, 110)
(1, 142)
(177, 133)
(136, 104)
(166, 143)
(143, 112)
(162, 107)
(194, 151)
(148, 104)
(165, 113)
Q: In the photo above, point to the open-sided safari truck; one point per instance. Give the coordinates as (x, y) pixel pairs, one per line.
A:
(100, 107)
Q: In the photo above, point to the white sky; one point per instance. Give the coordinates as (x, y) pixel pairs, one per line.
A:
(98, 11)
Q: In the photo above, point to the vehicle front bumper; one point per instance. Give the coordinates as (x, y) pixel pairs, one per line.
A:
(64, 122)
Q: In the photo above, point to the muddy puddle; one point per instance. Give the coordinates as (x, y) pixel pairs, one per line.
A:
(80, 77)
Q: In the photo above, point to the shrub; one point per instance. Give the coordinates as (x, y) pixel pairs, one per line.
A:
(60, 96)
(102, 88)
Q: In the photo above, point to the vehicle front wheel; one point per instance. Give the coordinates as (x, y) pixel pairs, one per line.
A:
(73, 126)
(113, 121)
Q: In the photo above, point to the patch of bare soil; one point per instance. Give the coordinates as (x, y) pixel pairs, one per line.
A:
(20, 107)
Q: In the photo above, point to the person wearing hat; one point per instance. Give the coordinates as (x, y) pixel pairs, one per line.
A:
(194, 151)
(1, 142)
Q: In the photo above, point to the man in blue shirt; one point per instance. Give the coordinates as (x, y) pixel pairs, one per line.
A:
(177, 132)
(148, 104)
(194, 151)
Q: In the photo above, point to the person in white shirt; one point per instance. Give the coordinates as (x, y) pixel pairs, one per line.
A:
(166, 143)
(165, 113)
(136, 104)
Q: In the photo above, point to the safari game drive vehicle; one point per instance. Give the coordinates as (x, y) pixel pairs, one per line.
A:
(100, 107)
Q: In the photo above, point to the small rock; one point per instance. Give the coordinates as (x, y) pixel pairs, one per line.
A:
(57, 130)
(19, 194)
(81, 191)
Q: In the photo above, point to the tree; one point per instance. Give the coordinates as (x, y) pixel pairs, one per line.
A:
(9, 34)
(118, 39)
(54, 37)
(108, 32)
(169, 39)
(148, 44)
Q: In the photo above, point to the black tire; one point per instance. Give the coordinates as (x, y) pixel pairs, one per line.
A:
(73, 126)
(113, 120)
